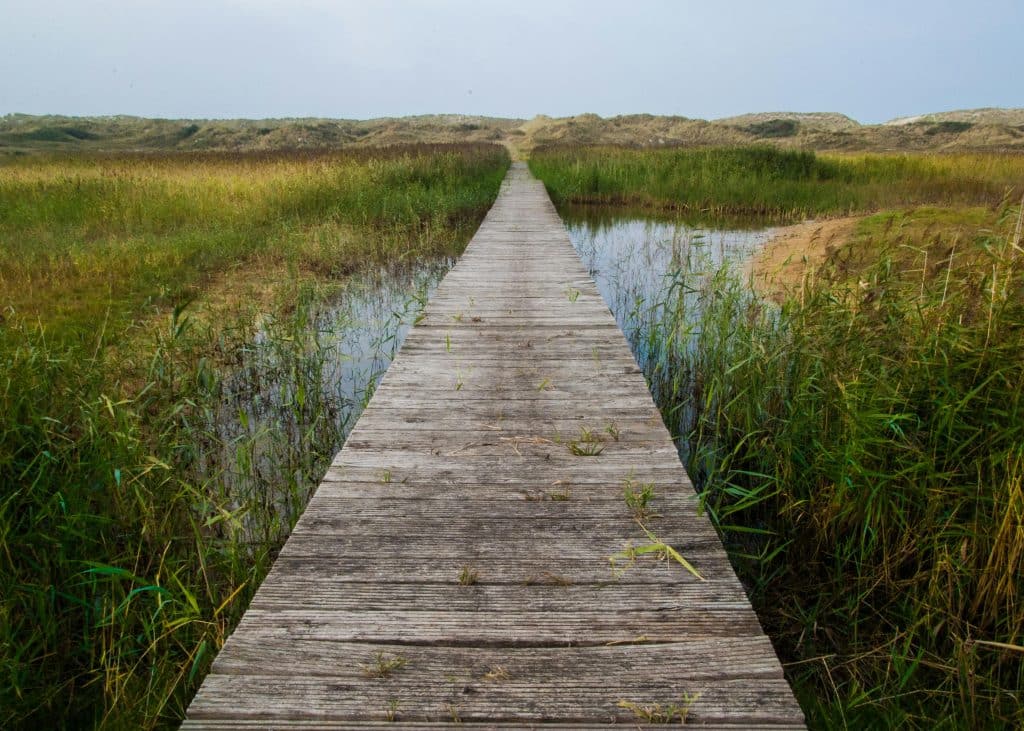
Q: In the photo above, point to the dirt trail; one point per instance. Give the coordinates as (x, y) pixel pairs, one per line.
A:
(780, 266)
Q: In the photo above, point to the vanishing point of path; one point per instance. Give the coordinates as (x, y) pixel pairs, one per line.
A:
(454, 564)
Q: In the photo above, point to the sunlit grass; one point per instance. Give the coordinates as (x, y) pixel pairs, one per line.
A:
(84, 239)
(765, 181)
(132, 532)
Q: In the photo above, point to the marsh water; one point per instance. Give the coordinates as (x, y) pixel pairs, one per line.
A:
(300, 386)
(639, 263)
(304, 381)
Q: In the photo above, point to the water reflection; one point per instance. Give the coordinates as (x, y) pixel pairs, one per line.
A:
(656, 277)
(299, 388)
(636, 262)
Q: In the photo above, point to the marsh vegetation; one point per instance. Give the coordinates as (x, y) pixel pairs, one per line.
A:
(859, 446)
(184, 343)
(185, 340)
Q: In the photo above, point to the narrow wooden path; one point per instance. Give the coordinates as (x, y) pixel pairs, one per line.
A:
(454, 565)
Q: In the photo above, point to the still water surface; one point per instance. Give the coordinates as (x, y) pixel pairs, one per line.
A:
(291, 404)
(636, 262)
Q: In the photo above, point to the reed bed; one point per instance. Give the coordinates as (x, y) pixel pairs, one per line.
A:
(861, 447)
(133, 529)
(89, 238)
(785, 185)
(861, 452)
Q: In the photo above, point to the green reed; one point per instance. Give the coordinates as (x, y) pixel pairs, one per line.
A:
(861, 449)
(765, 181)
(88, 238)
(133, 530)
(860, 446)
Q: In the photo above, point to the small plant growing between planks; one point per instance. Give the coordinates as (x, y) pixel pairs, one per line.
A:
(453, 712)
(496, 673)
(657, 548)
(638, 498)
(468, 576)
(384, 665)
(559, 496)
(659, 714)
(555, 496)
(587, 445)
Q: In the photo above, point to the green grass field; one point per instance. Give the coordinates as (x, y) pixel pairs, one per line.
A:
(131, 286)
(767, 182)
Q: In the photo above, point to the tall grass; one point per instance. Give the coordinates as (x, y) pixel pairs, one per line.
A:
(862, 450)
(766, 181)
(133, 531)
(861, 447)
(87, 238)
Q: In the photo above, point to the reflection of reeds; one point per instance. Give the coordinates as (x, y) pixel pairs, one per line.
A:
(137, 518)
(860, 448)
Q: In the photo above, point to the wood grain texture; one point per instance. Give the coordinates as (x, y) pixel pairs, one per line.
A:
(469, 558)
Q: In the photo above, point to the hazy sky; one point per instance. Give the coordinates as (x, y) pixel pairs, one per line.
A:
(331, 58)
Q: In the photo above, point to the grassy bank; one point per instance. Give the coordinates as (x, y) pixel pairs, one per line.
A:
(860, 447)
(861, 451)
(97, 237)
(764, 181)
(133, 530)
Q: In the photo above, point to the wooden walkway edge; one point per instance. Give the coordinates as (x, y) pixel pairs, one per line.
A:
(454, 565)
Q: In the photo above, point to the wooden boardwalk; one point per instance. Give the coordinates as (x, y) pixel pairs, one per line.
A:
(453, 566)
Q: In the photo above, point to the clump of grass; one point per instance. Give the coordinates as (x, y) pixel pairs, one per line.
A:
(559, 496)
(656, 548)
(638, 497)
(555, 496)
(588, 444)
(496, 673)
(657, 713)
(453, 713)
(384, 665)
(468, 576)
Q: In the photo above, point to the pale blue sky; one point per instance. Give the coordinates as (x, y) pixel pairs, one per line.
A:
(268, 58)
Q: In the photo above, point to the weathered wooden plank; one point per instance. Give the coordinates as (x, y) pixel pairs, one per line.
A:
(284, 591)
(307, 725)
(461, 530)
(501, 629)
(506, 496)
(381, 568)
(757, 702)
(548, 507)
(453, 546)
(607, 480)
(608, 466)
(686, 660)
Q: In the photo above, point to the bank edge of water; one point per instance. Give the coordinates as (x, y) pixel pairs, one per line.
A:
(754, 359)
